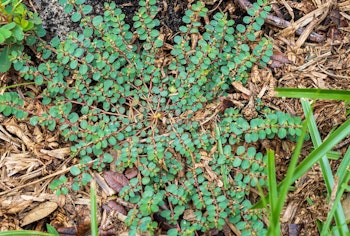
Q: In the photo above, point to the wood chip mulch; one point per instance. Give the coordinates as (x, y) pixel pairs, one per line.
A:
(318, 56)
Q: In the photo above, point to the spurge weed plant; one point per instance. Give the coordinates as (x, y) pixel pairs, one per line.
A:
(113, 88)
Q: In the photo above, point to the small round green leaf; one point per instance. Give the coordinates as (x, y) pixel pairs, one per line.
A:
(87, 9)
(75, 170)
(97, 20)
(76, 16)
(107, 158)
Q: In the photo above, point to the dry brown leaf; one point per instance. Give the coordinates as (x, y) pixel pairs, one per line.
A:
(117, 207)
(279, 59)
(39, 212)
(131, 173)
(306, 20)
(189, 215)
(225, 104)
(67, 231)
(249, 112)
(83, 220)
(39, 137)
(116, 180)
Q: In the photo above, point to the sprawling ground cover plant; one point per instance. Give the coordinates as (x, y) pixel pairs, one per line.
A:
(15, 21)
(114, 88)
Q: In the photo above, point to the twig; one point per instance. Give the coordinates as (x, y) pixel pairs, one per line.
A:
(342, 144)
(332, 74)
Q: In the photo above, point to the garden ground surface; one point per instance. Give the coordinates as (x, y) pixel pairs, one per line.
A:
(32, 157)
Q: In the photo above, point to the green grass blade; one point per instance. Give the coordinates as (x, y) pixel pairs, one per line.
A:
(262, 195)
(221, 154)
(289, 180)
(278, 194)
(333, 155)
(52, 230)
(332, 140)
(317, 141)
(274, 226)
(313, 93)
(325, 167)
(336, 205)
(343, 167)
(93, 205)
(5, 63)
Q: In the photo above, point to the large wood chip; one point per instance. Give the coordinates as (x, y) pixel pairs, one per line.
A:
(39, 212)
(239, 86)
(15, 129)
(17, 163)
(59, 153)
(102, 183)
(346, 206)
(13, 205)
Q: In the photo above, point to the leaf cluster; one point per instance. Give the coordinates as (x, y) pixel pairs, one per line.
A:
(15, 21)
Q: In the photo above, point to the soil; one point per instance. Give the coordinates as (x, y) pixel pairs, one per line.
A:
(298, 61)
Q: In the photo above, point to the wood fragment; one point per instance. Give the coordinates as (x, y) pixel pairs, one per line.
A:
(239, 86)
(102, 183)
(342, 144)
(39, 212)
(311, 19)
(233, 228)
(281, 23)
(59, 153)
